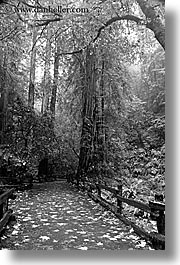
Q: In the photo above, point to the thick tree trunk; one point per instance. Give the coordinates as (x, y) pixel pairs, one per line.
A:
(92, 145)
(88, 92)
(99, 115)
(101, 140)
(99, 127)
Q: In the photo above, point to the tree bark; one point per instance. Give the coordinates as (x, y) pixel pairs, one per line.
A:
(92, 145)
(55, 81)
(99, 113)
(32, 68)
(47, 78)
(88, 92)
(3, 99)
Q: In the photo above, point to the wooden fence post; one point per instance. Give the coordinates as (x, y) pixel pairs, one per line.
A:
(1, 207)
(1, 211)
(161, 223)
(119, 203)
(158, 214)
(90, 188)
(99, 191)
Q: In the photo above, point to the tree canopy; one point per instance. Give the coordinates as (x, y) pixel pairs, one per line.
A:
(83, 83)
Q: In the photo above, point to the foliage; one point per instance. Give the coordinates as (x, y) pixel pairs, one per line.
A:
(133, 89)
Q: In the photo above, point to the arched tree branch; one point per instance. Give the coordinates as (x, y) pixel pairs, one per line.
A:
(156, 23)
(109, 22)
(118, 18)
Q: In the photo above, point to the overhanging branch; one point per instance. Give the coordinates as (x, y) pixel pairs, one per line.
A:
(70, 53)
(108, 23)
(38, 37)
(47, 21)
(9, 34)
(118, 18)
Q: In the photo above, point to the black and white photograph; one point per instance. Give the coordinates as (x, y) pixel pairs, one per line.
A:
(82, 125)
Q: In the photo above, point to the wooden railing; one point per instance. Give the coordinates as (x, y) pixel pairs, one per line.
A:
(155, 209)
(5, 212)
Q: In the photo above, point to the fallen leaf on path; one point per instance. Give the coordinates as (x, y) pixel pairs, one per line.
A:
(44, 238)
(83, 248)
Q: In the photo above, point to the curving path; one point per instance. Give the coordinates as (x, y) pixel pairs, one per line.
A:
(54, 216)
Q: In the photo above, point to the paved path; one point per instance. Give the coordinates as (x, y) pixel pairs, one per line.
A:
(55, 216)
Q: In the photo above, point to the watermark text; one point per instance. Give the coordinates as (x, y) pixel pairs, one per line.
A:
(50, 9)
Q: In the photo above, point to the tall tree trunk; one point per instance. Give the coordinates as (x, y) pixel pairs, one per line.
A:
(3, 99)
(32, 68)
(47, 77)
(88, 92)
(101, 124)
(92, 145)
(55, 80)
(99, 128)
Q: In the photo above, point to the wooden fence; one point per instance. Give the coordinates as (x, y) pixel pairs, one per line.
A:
(155, 209)
(5, 212)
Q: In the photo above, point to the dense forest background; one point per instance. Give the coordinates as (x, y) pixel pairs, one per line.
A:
(85, 90)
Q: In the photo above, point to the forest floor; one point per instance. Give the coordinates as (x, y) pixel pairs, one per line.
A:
(55, 216)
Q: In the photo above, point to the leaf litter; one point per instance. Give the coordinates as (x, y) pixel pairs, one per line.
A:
(50, 219)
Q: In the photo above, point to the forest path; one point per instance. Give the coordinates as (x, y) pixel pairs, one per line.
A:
(55, 216)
